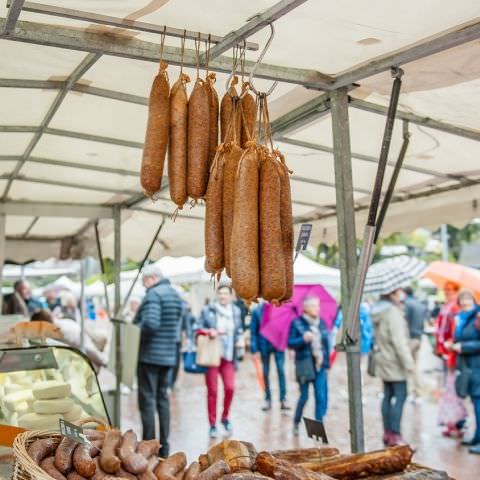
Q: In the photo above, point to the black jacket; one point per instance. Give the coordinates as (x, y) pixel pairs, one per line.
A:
(159, 317)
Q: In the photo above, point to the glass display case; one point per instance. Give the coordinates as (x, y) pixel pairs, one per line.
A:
(40, 385)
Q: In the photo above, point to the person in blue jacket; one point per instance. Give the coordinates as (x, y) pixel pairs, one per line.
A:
(309, 339)
(259, 345)
(366, 327)
(467, 346)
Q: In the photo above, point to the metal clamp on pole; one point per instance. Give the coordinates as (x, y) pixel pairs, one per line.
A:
(351, 332)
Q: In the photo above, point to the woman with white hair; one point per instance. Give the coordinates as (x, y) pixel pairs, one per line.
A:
(309, 338)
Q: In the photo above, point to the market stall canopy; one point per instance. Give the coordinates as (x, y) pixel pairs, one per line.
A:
(74, 106)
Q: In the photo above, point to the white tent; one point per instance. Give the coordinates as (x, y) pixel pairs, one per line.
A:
(74, 88)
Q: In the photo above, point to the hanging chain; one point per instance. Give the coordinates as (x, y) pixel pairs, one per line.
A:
(197, 54)
(182, 52)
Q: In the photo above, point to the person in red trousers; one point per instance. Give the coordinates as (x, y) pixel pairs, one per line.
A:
(222, 319)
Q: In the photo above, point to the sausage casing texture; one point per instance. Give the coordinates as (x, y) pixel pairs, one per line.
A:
(156, 138)
(94, 435)
(132, 461)
(177, 147)
(148, 448)
(172, 465)
(244, 263)
(42, 448)
(64, 455)
(213, 117)
(109, 461)
(48, 466)
(286, 219)
(248, 115)
(193, 471)
(272, 262)
(83, 458)
(232, 159)
(198, 141)
(99, 474)
(379, 462)
(214, 251)
(75, 476)
(215, 471)
(148, 473)
(229, 114)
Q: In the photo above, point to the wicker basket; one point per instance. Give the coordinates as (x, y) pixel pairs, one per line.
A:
(24, 468)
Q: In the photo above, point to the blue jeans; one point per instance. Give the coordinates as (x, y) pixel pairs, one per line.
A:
(476, 409)
(280, 363)
(395, 394)
(320, 386)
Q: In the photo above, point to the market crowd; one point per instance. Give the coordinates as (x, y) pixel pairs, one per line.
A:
(391, 333)
(214, 343)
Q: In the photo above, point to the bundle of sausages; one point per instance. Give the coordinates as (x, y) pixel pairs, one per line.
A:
(188, 129)
(112, 455)
(108, 455)
(248, 224)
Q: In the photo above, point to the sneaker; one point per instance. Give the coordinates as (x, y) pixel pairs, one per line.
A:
(396, 439)
(284, 406)
(296, 429)
(473, 442)
(267, 406)
(213, 432)
(387, 438)
(475, 449)
(227, 425)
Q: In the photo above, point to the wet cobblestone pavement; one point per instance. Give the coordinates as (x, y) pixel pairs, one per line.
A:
(272, 430)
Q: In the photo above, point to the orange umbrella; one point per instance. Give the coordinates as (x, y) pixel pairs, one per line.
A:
(441, 273)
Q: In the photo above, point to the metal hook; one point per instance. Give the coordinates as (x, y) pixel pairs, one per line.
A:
(260, 58)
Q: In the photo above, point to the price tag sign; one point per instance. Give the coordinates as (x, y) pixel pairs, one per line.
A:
(72, 431)
(303, 238)
(18, 360)
(315, 430)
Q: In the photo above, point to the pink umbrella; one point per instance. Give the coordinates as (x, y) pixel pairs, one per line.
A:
(276, 321)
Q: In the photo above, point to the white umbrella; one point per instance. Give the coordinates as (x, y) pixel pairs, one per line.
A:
(390, 274)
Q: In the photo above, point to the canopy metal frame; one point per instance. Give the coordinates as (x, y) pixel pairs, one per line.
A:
(334, 100)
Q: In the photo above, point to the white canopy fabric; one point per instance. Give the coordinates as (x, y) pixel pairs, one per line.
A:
(89, 151)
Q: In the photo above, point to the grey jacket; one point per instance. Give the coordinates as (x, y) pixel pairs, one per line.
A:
(416, 314)
(393, 358)
(159, 317)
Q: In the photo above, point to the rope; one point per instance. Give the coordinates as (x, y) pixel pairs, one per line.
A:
(182, 50)
(197, 54)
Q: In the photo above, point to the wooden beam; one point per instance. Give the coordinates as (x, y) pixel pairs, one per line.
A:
(12, 16)
(124, 23)
(51, 209)
(445, 40)
(366, 158)
(120, 46)
(465, 132)
(253, 25)
(301, 116)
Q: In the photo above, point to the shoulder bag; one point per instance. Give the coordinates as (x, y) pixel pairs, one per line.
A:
(209, 351)
(305, 369)
(464, 377)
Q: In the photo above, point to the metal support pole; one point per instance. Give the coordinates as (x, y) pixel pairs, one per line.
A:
(102, 267)
(348, 257)
(372, 228)
(83, 310)
(117, 223)
(2, 255)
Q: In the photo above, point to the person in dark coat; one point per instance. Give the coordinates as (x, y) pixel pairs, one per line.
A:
(158, 318)
(467, 346)
(309, 338)
(222, 318)
(21, 301)
(259, 345)
(416, 315)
